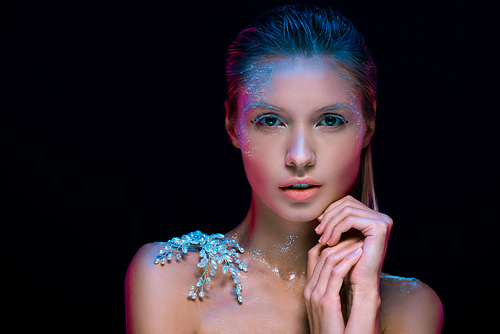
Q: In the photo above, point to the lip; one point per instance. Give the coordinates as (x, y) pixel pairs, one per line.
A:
(289, 182)
(297, 194)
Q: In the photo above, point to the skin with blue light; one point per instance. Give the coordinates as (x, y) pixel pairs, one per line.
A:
(297, 118)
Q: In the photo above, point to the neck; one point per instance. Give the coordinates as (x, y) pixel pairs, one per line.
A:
(279, 243)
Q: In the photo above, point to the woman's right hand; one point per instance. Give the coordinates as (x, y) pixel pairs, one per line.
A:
(326, 269)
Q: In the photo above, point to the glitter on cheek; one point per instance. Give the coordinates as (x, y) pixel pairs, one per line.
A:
(248, 148)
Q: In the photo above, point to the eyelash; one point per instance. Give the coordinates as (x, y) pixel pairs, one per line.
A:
(259, 120)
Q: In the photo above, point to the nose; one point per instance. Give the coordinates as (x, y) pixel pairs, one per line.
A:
(300, 153)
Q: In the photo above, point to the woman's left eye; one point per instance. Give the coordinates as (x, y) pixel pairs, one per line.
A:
(332, 120)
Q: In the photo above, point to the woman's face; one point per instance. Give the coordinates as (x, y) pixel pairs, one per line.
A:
(300, 129)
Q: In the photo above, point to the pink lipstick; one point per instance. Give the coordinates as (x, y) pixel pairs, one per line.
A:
(300, 189)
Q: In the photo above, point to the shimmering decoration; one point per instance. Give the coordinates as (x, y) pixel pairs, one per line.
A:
(214, 250)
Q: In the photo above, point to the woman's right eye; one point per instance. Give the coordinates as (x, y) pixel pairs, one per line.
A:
(268, 120)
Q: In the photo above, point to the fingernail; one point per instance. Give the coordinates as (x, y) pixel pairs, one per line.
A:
(357, 250)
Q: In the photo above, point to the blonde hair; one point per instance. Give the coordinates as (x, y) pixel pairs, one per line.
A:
(364, 189)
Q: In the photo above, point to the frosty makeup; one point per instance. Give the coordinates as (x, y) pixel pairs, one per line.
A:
(253, 95)
(293, 113)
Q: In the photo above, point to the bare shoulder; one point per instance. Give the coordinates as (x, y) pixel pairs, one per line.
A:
(156, 294)
(409, 306)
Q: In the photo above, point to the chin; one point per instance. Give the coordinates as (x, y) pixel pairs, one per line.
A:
(300, 212)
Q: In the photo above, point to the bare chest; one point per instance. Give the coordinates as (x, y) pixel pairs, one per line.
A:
(268, 306)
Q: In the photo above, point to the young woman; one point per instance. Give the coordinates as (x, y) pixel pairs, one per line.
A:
(301, 108)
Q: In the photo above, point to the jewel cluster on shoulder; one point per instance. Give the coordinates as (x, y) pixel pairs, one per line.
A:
(214, 250)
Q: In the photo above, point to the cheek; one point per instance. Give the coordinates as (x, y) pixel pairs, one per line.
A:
(262, 161)
(341, 166)
(349, 172)
(249, 148)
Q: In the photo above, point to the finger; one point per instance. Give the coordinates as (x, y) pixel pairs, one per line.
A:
(334, 209)
(365, 225)
(316, 264)
(340, 202)
(312, 259)
(334, 217)
(317, 256)
(337, 207)
(337, 216)
(340, 271)
(330, 262)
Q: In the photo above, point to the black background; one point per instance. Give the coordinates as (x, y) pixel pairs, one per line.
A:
(113, 136)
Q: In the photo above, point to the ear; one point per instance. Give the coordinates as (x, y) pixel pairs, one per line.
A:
(370, 128)
(231, 131)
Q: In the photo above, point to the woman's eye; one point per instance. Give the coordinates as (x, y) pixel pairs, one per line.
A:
(333, 120)
(267, 120)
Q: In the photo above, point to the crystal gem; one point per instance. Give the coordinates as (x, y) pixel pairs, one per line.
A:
(214, 249)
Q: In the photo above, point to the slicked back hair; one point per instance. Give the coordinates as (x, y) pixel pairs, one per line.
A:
(307, 31)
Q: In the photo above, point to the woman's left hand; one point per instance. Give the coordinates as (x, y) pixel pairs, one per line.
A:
(346, 214)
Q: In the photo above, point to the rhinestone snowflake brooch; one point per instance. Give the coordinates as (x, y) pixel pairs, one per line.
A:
(214, 250)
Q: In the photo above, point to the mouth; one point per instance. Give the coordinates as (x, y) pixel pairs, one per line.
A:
(300, 186)
(300, 191)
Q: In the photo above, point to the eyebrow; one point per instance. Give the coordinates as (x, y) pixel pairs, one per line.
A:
(262, 104)
(337, 106)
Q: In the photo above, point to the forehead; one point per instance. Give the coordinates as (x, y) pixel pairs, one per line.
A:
(296, 83)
